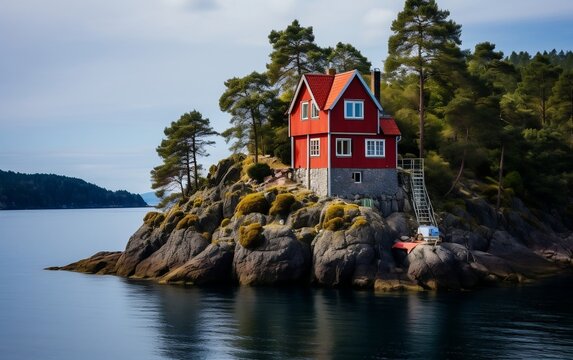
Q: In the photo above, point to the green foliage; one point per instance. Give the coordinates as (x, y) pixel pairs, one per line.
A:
(43, 191)
(282, 204)
(345, 57)
(253, 203)
(259, 172)
(438, 174)
(185, 142)
(514, 181)
(251, 236)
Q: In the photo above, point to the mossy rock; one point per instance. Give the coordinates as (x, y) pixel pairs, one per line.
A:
(334, 224)
(251, 203)
(359, 222)
(197, 202)
(251, 236)
(149, 218)
(333, 211)
(225, 222)
(283, 204)
(187, 221)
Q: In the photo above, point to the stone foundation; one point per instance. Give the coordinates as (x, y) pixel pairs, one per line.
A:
(318, 180)
(375, 183)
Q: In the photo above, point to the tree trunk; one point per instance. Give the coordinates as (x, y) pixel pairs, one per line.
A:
(188, 169)
(461, 165)
(195, 169)
(421, 113)
(256, 136)
(500, 178)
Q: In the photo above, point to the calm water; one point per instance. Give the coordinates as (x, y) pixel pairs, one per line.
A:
(63, 315)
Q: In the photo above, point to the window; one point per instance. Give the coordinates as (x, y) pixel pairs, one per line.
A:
(314, 111)
(314, 147)
(343, 147)
(354, 109)
(304, 110)
(375, 148)
(357, 176)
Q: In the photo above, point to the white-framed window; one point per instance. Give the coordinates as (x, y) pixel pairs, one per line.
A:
(314, 147)
(354, 109)
(304, 110)
(357, 176)
(343, 147)
(375, 147)
(314, 112)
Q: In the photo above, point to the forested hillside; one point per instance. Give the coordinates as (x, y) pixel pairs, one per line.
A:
(43, 191)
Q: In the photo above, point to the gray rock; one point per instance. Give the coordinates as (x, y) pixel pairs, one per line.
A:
(181, 246)
(280, 259)
(141, 245)
(212, 266)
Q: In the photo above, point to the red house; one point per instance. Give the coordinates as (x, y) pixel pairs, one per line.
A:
(342, 144)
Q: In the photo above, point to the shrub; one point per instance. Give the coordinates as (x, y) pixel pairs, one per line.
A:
(251, 203)
(282, 204)
(187, 221)
(259, 171)
(158, 220)
(225, 222)
(251, 236)
(172, 219)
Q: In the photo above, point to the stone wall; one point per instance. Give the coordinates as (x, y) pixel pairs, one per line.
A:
(318, 180)
(375, 183)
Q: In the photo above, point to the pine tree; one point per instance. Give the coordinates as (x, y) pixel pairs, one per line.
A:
(185, 141)
(422, 34)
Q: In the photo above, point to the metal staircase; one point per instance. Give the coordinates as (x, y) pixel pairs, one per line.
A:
(420, 199)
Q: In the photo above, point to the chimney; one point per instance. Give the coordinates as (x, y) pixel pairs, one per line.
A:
(331, 71)
(375, 83)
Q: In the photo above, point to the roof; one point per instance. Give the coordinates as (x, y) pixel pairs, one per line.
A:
(326, 89)
(389, 126)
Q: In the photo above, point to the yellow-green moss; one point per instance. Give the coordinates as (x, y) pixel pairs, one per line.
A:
(251, 236)
(334, 224)
(359, 221)
(225, 222)
(333, 211)
(197, 202)
(150, 217)
(158, 220)
(251, 203)
(282, 204)
(187, 221)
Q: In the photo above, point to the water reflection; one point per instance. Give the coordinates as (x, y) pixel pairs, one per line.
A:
(263, 323)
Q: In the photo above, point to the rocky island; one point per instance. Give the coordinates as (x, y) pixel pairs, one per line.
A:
(238, 232)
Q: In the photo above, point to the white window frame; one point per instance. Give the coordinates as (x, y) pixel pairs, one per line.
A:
(353, 115)
(359, 173)
(314, 110)
(304, 110)
(383, 141)
(349, 140)
(314, 147)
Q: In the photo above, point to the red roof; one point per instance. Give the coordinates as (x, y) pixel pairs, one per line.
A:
(338, 86)
(319, 85)
(389, 127)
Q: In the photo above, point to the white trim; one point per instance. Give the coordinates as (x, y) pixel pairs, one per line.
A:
(302, 80)
(374, 140)
(329, 169)
(311, 141)
(361, 176)
(352, 133)
(302, 105)
(354, 102)
(349, 147)
(368, 91)
(312, 107)
(292, 152)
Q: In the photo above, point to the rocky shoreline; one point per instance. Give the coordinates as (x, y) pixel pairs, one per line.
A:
(240, 233)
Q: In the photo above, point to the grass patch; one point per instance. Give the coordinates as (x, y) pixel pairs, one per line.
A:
(187, 221)
(282, 204)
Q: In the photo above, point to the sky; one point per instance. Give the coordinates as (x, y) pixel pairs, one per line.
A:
(87, 87)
